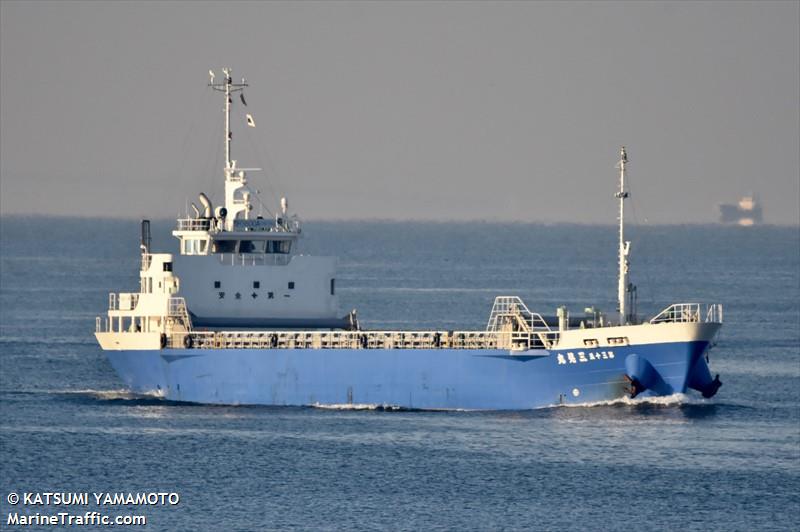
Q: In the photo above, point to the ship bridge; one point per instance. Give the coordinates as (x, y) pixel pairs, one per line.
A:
(259, 236)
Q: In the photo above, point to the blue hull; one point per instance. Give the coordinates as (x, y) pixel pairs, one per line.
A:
(409, 378)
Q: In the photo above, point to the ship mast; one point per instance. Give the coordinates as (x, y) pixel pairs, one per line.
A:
(237, 196)
(624, 246)
(228, 87)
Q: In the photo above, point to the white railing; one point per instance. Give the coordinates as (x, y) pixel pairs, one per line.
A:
(177, 308)
(518, 341)
(122, 301)
(194, 224)
(512, 308)
(102, 324)
(261, 259)
(714, 313)
(689, 313)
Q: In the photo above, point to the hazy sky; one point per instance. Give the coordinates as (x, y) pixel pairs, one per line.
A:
(501, 111)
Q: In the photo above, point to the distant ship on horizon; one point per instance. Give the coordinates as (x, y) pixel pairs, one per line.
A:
(746, 212)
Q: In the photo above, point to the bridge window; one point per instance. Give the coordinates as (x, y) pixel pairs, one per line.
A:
(194, 246)
(224, 246)
(279, 246)
(252, 246)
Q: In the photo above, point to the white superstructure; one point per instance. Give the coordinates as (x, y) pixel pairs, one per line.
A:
(244, 271)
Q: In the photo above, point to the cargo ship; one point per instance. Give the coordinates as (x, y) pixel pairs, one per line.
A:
(240, 317)
(746, 212)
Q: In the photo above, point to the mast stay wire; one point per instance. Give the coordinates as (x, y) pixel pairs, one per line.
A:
(210, 177)
(179, 175)
(260, 162)
(261, 158)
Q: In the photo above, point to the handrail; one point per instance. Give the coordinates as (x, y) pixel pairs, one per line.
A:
(689, 313)
(511, 310)
(123, 301)
(194, 224)
(253, 259)
(517, 341)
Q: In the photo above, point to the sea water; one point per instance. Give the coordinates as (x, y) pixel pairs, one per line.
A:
(681, 462)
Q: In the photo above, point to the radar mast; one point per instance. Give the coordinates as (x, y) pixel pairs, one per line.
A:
(237, 195)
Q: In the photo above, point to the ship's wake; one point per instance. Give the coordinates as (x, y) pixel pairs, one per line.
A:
(360, 406)
(115, 396)
(677, 399)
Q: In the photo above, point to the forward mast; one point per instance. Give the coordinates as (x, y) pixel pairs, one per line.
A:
(624, 246)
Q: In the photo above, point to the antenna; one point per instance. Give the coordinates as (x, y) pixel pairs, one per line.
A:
(237, 197)
(624, 246)
(228, 87)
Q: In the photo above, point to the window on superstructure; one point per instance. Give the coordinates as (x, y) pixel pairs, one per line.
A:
(167, 266)
(333, 286)
(256, 284)
(252, 246)
(279, 246)
(224, 246)
(291, 285)
(217, 284)
(194, 246)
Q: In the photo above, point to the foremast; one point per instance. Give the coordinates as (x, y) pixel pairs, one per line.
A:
(624, 246)
(237, 195)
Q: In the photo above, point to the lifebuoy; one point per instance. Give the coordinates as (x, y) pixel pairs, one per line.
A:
(187, 341)
(163, 340)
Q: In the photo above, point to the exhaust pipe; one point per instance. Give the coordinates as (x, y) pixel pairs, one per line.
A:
(206, 203)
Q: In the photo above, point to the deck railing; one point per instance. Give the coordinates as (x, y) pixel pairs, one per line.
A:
(690, 313)
(194, 224)
(517, 341)
(123, 301)
(254, 259)
(512, 307)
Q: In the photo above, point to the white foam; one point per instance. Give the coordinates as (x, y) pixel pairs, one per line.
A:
(355, 406)
(665, 400)
(111, 395)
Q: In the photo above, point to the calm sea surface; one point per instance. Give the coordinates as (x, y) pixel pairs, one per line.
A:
(730, 463)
